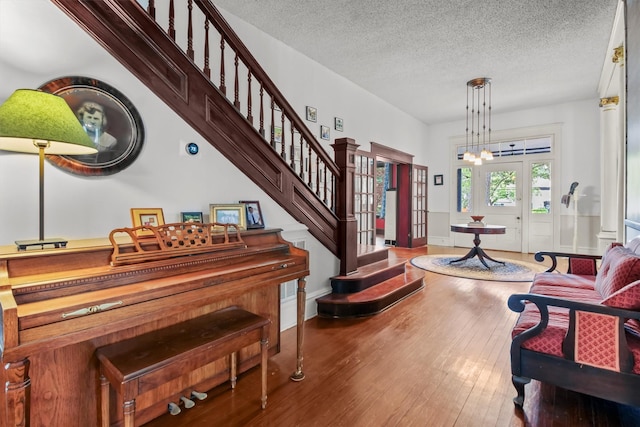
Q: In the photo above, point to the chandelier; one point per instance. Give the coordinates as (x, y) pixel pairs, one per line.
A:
(479, 135)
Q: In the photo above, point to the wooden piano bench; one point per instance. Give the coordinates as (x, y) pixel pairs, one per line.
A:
(140, 364)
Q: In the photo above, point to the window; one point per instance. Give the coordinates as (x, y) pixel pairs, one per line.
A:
(540, 188)
(500, 188)
(520, 147)
(464, 190)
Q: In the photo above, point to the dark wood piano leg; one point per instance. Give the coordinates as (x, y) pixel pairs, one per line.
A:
(298, 375)
(17, 393)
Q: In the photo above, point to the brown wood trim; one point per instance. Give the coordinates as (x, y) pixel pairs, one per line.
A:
(389, 154)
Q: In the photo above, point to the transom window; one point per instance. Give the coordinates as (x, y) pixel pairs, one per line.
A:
(520, 147)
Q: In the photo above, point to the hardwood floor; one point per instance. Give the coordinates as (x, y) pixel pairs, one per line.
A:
(438, 358)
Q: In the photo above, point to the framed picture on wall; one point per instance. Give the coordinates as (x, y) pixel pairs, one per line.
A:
(438, 180)
(277, 134)
(324, 132)
(338, 124)
(109, 118)
(312, 114)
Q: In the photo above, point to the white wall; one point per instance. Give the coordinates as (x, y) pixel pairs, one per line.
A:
(304, 82)
(39, 43)
(579, 156)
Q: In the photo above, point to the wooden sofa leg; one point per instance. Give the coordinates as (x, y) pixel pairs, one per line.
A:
(519, 383)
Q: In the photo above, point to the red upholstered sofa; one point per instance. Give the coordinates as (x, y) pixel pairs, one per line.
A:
(580, 330)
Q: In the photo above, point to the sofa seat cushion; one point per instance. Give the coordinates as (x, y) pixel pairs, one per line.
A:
(564, 280)
(573, 294)
(550, 340)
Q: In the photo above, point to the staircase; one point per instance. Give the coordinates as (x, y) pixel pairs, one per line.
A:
(382, 280)
(198, 66)
(214, 83)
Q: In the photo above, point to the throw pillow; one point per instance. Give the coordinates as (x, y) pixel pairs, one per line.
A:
(627, 297)
(619, 268)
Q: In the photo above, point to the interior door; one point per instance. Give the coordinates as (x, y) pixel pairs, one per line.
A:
(498, 196)
(419, 206)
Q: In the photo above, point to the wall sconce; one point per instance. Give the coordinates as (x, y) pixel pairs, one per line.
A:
(37, 122)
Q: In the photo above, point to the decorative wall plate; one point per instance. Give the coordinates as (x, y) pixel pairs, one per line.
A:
(110, 120)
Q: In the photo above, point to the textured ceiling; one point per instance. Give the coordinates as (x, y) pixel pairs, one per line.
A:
(419, 54)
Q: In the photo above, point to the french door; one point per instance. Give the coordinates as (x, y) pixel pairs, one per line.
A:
(419, 206)
(492, 190)
(499, 199)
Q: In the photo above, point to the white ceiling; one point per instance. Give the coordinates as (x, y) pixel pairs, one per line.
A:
(419, 54)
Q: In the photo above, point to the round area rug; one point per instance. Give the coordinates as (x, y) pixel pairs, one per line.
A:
(511, 271)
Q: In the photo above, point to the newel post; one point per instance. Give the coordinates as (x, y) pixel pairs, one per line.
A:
(345, 158)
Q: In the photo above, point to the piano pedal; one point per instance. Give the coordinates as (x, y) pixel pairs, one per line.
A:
(188, 403)
(174, 409)
(198, 395)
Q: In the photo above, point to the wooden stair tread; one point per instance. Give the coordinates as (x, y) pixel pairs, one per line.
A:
(378, 291)
(373, 299)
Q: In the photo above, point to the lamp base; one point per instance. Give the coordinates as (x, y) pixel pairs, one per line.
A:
(55, 242)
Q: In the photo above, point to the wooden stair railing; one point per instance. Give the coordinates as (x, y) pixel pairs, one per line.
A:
(276, 150)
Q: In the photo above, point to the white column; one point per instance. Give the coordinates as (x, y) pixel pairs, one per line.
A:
(609, 164)
(612, 143)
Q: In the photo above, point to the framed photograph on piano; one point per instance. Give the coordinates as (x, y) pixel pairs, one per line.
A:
(191, 217)
(142, 217)
(228, 214)
(254, 214)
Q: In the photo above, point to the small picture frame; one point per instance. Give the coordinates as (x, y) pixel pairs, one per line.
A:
(324, 132)
(312, 114)
(253, 213)
(228, 214)
(438, 180)
(142, 217)
(277, 134)
(338, 124)
(191, 217)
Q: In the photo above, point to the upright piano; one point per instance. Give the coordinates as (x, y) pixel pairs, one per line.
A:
(59, 305)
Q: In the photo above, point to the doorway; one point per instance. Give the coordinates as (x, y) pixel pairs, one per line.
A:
(406, 222)
(499, 200)
(515, 189)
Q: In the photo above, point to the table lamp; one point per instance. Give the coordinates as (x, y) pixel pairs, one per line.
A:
(37, 122)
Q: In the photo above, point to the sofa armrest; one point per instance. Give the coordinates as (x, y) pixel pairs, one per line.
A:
(571, 258)
(517, 302)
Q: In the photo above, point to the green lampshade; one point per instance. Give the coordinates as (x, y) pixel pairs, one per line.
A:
(30, 116)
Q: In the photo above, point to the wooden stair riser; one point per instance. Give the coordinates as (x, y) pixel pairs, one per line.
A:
(352, 284)
(348, 309)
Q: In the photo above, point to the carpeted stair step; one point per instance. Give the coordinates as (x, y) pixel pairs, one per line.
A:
(368, 276)
(374, 299)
